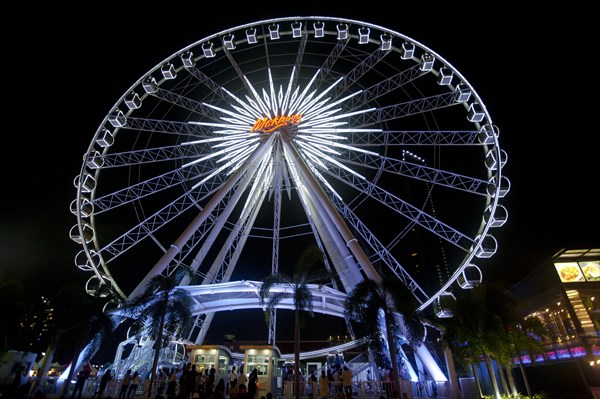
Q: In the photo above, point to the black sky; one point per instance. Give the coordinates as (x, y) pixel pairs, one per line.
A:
(65, 64)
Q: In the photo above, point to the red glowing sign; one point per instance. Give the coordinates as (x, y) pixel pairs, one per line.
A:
(268, 125)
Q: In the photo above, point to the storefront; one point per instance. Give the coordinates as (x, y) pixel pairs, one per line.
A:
(207, 356)
(265, 360)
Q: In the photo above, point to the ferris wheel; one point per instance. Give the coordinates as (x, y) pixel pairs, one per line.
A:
(235, 152)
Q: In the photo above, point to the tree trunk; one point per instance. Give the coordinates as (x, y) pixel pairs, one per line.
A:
(452, 377)
(503, 379)
(490, 368)
(157, 347)
(296, 354)
(525, 379)
(154, 364)
(392, 350)
(477, 383)
(511, 380)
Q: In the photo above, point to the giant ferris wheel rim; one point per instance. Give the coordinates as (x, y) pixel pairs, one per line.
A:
(102, 272)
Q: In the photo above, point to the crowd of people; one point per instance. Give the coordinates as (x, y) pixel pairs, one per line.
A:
(177, 383)
(334, 382)
(188, 383)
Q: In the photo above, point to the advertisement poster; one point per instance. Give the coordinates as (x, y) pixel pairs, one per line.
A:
(591, 270)
(569, 272)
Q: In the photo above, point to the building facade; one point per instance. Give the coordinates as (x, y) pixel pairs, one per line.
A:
(564, 293)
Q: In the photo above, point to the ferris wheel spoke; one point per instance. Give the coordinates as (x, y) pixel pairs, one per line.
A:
(385, 86)
(178, 129)
(203, 236)
(214, 88)
(403, 208)
(234, 184)
(415, 171)
(353, 76)
(155, 185)
(139, 190)
(222, 268)
(149, 155)
(327, 76)
(299, 57)
(206, 235)
(156, 221)
(239, 72)
(231, 249)
(144, 229)
(186, 103)
(402, 110)
(413, 138)
(380, 252)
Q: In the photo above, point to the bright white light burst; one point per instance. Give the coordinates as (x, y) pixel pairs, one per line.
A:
(318, 131)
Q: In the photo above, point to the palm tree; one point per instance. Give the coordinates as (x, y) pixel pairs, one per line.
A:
(162, 311)
(309, 270)
(372, 303)
(481, 326)
(472, 329)
(525, 336)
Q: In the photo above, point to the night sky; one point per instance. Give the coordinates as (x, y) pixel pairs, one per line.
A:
(66, 63)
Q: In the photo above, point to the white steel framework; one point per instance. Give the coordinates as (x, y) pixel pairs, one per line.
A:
(234, 153)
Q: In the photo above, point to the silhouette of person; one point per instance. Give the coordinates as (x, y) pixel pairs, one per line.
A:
(252, 380)
(347, 381)
(106, 377)
(135, 382)
(125, 385)
(243, 392)
(81, 378)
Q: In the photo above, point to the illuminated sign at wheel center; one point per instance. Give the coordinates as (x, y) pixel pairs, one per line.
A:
(268, 125)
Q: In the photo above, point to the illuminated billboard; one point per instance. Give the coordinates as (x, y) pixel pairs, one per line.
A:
(591, 270)
(570, 272)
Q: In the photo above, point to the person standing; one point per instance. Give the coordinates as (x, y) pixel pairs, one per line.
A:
(337, 361)
(243, 392)
(191, 380)
(347, 381)
(125, 385)
(212, 374)
(161, 379)
(172, 385)
(219, 392)
(242, 379)
(337, 380)
(252, 381)
(178, 374)
(233, 390)
(233, 376)
(81, 379)
(369, 386)
(135, 382)
(324, 385)
(184, 390)
(106, 377)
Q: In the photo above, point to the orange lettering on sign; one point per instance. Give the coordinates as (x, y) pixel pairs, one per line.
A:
(268, 125)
